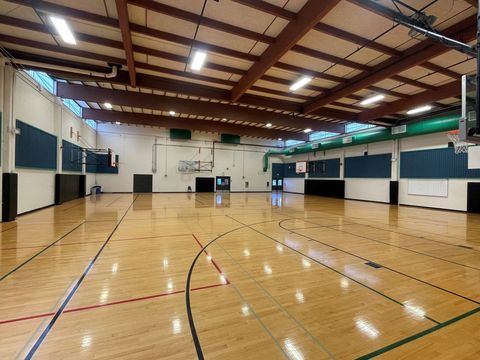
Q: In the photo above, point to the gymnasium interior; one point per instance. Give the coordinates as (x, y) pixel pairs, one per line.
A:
(240, 179)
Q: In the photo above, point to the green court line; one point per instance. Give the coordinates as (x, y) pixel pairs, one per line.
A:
(418, 335)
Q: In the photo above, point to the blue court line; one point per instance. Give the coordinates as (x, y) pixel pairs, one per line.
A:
(72, 292)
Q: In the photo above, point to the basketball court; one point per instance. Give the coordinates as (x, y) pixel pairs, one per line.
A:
(233, 179)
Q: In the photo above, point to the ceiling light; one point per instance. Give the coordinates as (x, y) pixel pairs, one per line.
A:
(63, 30)
(117, 122)
(372, 99)
(419, 110)
(171, 112)
(224, 119)
(108, 106)
(198, 60)
(279, 139)
(307, 130)
(300, 83)
(268, 125)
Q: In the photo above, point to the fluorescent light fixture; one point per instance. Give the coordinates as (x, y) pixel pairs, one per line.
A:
(301, 83)
(171, 112)
(372, 100)
(280, 139)
(224, 119)
(268, 125)
(419, 110)
(307, 130)
(63, 30)
(108, 106)
(198, 60)
(117, 122)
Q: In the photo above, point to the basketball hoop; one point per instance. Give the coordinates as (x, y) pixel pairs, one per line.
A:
(459, 145)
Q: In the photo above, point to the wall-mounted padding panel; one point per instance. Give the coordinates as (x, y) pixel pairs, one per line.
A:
(277, 170)
(142, 183)
(290, 171)
(369, 166)
(10, 197)
(35, 148)
(473, 197)
(98, 163)
(436, 164)
(324, 168)
(71, 157)
(69, 187)
(328, 188)
(394, 192)
(205, 184)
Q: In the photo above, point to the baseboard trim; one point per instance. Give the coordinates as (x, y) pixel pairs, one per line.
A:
(372, 201)
(434, 208)
(40, 208)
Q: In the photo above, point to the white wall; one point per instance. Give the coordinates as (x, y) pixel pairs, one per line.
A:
(38, 108)
(135, 147)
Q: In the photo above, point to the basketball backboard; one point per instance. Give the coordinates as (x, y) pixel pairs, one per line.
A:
(467, 122)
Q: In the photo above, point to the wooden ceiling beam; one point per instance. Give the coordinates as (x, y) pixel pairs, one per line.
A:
(347, 36)
(418, 54)
(311, 13)
(269, 9)
(148, 81)
(190, 124)
(124, 22)
(202, 20)
(423, 98)
(191, 107)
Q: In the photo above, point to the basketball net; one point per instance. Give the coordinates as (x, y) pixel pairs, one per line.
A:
(459, 145)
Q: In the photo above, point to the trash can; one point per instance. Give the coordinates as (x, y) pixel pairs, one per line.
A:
(96, 190)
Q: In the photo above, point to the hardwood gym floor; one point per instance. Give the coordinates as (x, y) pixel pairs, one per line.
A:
(284, 276)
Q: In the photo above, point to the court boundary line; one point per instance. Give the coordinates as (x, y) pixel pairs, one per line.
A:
(299, 324)
(419, 335)
(333, 227)
(386, 267)
(96, 306)
(191, 322)
(334, 270)
(72, 292)
(18, 267)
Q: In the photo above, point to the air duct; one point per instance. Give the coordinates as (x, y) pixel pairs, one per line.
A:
(430, 126)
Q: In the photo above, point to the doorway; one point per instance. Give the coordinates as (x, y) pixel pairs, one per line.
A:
(142, 183)
(223, 183)
(205, 184)
(277, 184)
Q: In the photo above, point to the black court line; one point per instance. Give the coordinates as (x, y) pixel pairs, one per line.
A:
(388, 244)
(332, 269)
(52, 322)
(13, 227)
(385, 267)
(40, 252)
(191, 322)
(418, 335)
(414, 236)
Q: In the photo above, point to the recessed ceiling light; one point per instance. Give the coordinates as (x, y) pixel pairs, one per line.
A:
(300, 83)
(108, 106)
(268, 125)
(279, 139)
(307, 130)
(171, 112)
(63, 30)
(117, 122)
(198, 60)
(372, 99)
(419, 110)
(224, 119)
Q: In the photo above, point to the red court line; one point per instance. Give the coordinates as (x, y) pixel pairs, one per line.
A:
(109, 304)
(213, 261)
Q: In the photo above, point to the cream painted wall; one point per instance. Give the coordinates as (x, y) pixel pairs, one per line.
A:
(35, 106)
(135, 147)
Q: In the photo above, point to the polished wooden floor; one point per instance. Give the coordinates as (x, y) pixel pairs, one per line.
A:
(283, 277)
